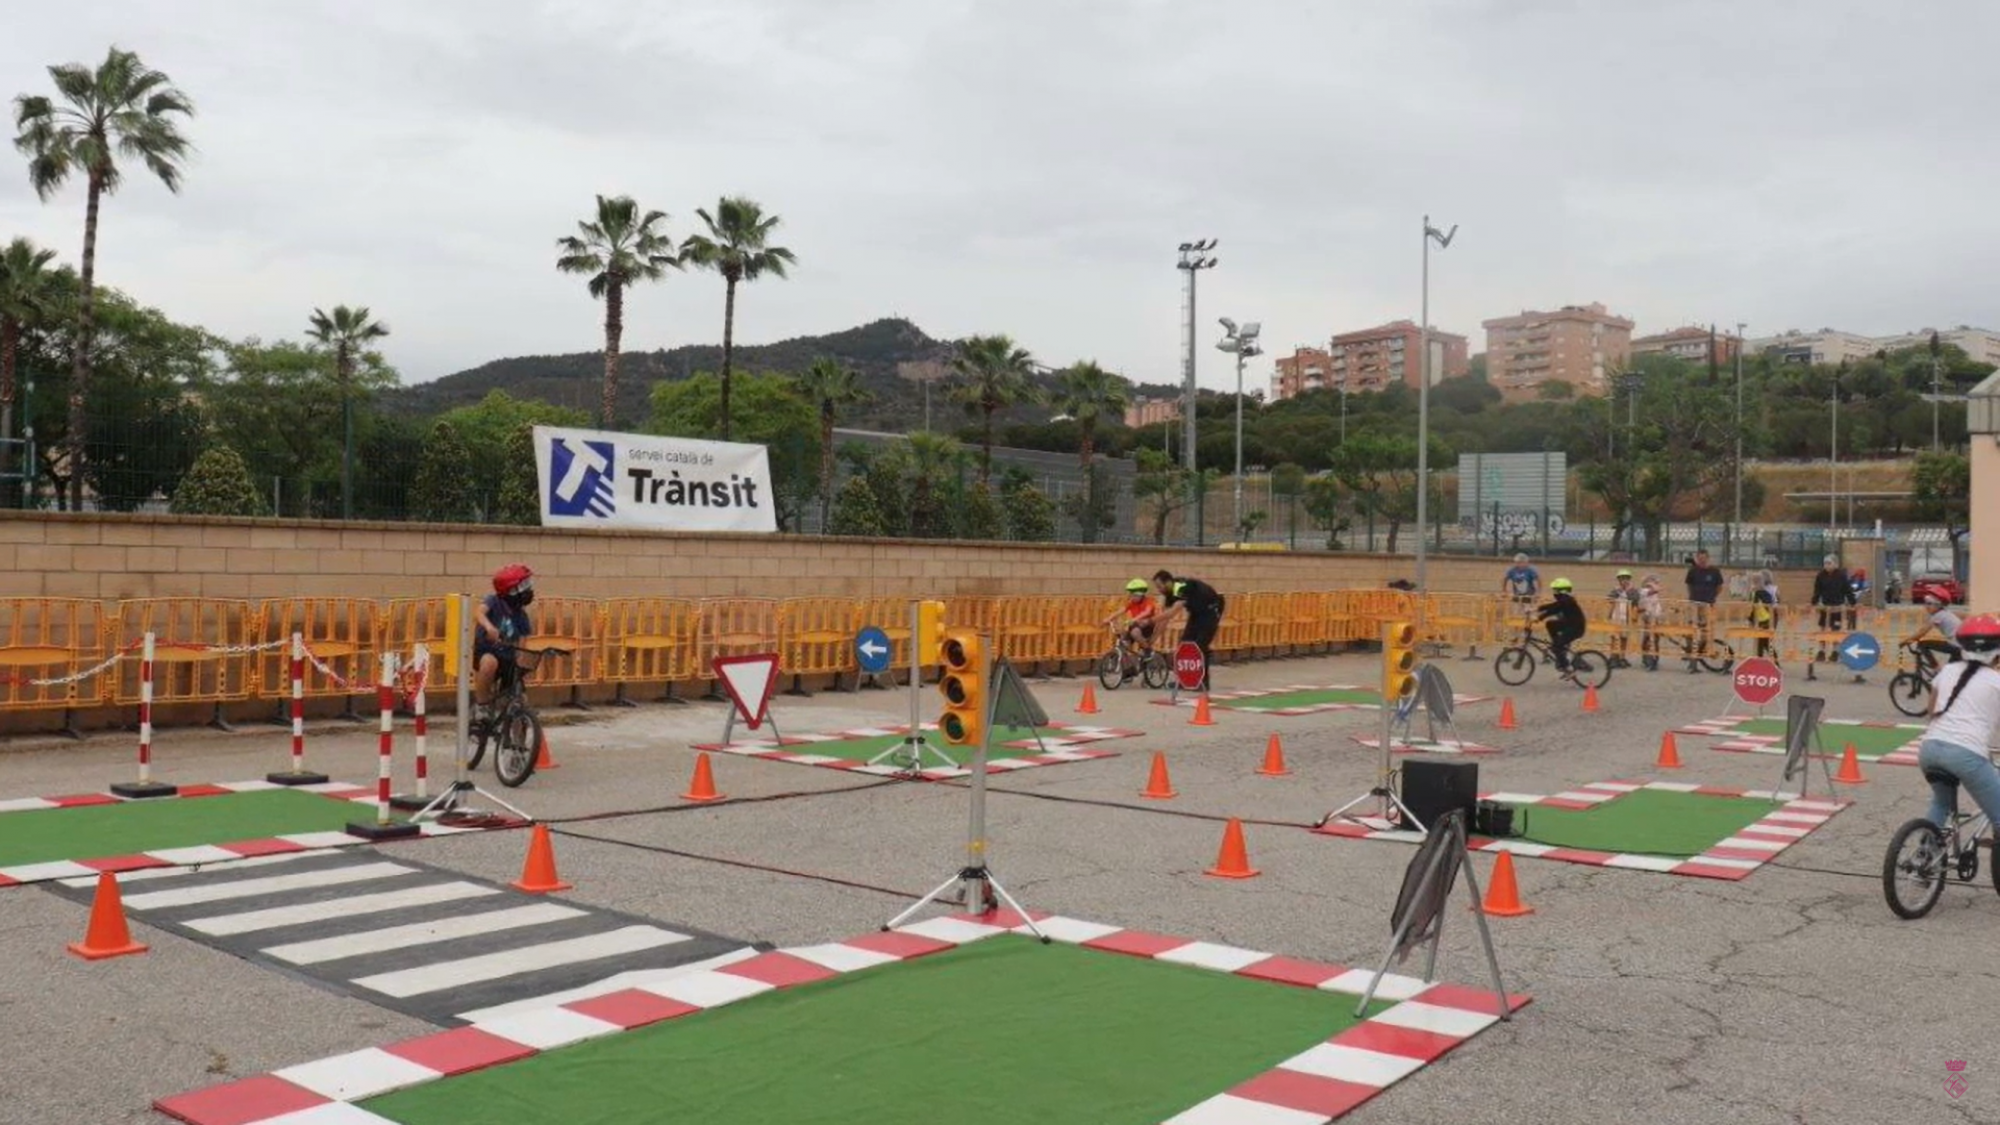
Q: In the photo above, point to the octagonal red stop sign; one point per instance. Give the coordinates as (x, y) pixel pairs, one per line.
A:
(1189, 668)
(1758, 681)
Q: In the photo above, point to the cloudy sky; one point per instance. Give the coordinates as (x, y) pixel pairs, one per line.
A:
(1029, 166)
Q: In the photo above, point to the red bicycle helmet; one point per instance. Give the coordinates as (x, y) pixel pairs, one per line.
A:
(510, 578)
(1979, 637)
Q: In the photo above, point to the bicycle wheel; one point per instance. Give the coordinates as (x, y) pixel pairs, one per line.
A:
(1590, 668)
(1914, 863)
(1514, 666)
(1721, 659)
(514, 757)
(1111, 670)
(1910, 694)
(480, 734)
(1156, 671)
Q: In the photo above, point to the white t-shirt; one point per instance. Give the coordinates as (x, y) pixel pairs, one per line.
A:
(1971, 720)
(1947, 623)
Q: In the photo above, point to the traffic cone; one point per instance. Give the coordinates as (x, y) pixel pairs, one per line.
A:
(1158, 787)
(1670, 754)
(1503, 898)
(1507, 714)
(542, 759)
(538, 874)
(1201, 716)
(1274, 759)
(1850, 768)
(1590, 698)
(1233, 862)
(703, 786)
(1089, 704)
(107, 935)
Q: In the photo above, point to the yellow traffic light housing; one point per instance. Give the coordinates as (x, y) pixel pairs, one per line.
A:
(930, 632)
(1399, 662)
(963, 685)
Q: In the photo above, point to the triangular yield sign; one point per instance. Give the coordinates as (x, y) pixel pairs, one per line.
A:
(749, 680)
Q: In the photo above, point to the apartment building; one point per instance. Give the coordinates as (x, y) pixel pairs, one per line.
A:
(1306, 369)
(1575, 344)
(1152, 411)
(1695, 343)
(1826, 346)
(1982, 345)
(1371, 359)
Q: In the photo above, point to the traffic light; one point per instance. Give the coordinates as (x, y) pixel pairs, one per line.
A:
(930, 628)
(1399, 661)
(963, 685)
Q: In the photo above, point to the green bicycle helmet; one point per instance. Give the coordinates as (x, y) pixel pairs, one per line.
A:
(1137, 586)
(1560, 584)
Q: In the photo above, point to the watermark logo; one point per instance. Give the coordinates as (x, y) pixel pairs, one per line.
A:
(1956, 1084)
(580, 481)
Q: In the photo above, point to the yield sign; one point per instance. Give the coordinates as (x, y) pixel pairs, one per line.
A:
(749, 680)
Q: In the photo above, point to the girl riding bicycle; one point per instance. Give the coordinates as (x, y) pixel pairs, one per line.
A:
(1141, 614)
(1964, 716)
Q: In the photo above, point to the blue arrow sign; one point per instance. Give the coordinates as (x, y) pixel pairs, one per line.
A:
(871, 650)
(1859, 652)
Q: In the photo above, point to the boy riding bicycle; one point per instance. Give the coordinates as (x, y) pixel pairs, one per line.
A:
(502, 625)
(1965, 713)
(1566, 624)
(1141, 615)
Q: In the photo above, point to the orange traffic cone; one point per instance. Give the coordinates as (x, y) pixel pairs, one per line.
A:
(1233, 862)
(1274, 759)
(703, 786)
(1507, 714)
(1201, 716)
(1850, 768)
(1158, 787)
(107, 935)
(542, 759)
(1590, 698)
(1089, 704)
(1503, 898)
(1670, 754)
(538, 875)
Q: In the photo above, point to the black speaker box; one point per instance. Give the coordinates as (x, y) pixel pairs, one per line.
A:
(1434, 787)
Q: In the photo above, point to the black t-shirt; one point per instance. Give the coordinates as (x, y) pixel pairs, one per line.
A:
(1704, 583)
(1199, 596)
(1565, 613)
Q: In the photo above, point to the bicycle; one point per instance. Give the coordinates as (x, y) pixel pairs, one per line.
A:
(1587, 667)
(512, 726)
(1953, 850)
(1125, 661)
(1910, 691)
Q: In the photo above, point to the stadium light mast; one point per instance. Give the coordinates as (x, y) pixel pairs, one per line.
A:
(1424, 402)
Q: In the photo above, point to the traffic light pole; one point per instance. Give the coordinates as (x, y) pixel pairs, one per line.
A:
(982, 893)
(1384, 791)
(911, 749)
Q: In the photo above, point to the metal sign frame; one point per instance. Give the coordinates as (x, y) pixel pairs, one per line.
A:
(1418, 916)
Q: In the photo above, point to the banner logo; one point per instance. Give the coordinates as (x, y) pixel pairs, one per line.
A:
(600, 479)
(580, 481)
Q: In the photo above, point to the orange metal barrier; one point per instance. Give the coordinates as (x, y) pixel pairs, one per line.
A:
(892, 616)
(204, 649)
(342, 633)
(651, 640)
(736, 627)
(52, 639)
(402, 625)
(576, 624)
(1077, 630)
(1023, 629)
(816, 637)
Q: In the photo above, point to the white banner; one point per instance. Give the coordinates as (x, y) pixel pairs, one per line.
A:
(592, 478)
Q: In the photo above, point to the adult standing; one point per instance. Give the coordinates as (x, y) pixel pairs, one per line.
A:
(1200, 604)
(1834, 595)
(1704, 585)
(1521, 583)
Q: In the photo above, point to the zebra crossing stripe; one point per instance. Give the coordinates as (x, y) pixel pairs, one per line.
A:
(254, 920)
(422, 933)
(249, 888)
(439, 976)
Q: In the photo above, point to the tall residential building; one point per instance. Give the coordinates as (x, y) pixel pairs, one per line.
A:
(1575, 344)
(1152, 411)
(1304, 370)
(1373, 358)
(1981, 344)
(1826, 346)
(1693, 344)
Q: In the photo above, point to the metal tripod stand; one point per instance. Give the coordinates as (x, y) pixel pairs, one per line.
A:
(909, 753)
(1384, 791)
(452, 801)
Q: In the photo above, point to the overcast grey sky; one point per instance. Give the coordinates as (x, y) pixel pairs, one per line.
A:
(1028, 166)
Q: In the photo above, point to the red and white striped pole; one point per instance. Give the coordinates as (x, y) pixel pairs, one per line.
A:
(298, 775)
(385, 698)
(146, 786)
(422, 659)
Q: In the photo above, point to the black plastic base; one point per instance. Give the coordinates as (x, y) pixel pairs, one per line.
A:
(302, 777)
(410, 804)
(138, 791)
(393, 831)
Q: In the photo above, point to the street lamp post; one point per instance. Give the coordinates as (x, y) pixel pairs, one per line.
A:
(1424, 399)
(1739, 436)
(1243, 343)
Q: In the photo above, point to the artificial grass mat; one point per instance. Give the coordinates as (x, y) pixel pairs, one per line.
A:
(1657, 822)
(1869, 741)
(1004, 1031)
(1317, 697)
(129, 827)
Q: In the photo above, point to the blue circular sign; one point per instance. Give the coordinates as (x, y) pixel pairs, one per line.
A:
(871, 650)
(1860, 651)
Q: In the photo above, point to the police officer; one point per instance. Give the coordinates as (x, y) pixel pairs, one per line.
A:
(1200, 604)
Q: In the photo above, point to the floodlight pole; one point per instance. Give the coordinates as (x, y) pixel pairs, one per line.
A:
(1739, 438)
(1424, 402)
(1193, 260)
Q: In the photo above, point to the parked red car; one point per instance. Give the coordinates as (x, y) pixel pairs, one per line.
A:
(1944, 586)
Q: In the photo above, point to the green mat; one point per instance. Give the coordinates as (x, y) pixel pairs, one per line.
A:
(1004, 1031)
(127, 828)
(1646, 822)
(1869, 742)
(1285, 700)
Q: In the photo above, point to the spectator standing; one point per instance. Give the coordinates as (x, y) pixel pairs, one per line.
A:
(1833, 593)
(1704, 585)
(1521, 582)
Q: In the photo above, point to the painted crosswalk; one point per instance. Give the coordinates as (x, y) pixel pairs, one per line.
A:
(417, 939)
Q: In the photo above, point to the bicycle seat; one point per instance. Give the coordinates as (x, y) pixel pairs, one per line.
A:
(1940, 777)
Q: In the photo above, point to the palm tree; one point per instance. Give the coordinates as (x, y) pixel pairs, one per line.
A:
(831, 386)
(996, 375)
(620, 248)
(122, 109)
(24, 281)
(347, 331)
(736, 246)
(1089, 394)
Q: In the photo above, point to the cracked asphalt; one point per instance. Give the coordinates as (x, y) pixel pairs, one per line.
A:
(1793, 996)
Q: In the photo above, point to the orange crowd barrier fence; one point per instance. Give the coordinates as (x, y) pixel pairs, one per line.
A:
(816, 638)
(651, 640)
(205, 650)
(342, 641)
(52, 654)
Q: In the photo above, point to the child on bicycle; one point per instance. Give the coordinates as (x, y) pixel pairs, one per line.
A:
(502, 624)
(1965, 710)
(1947, 625)
(1141, 615)
(1565, 620)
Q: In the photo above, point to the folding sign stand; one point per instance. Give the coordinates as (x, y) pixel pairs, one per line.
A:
(1801, 731)
(748, 680)
(1014, 705)
(1419, 914)
(982, 893)
(1435, 696)
(1384, 791)
(909, 753)
(452, 802)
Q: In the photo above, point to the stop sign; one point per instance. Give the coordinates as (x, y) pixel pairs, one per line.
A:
(1189, 668)
(1758, 681)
